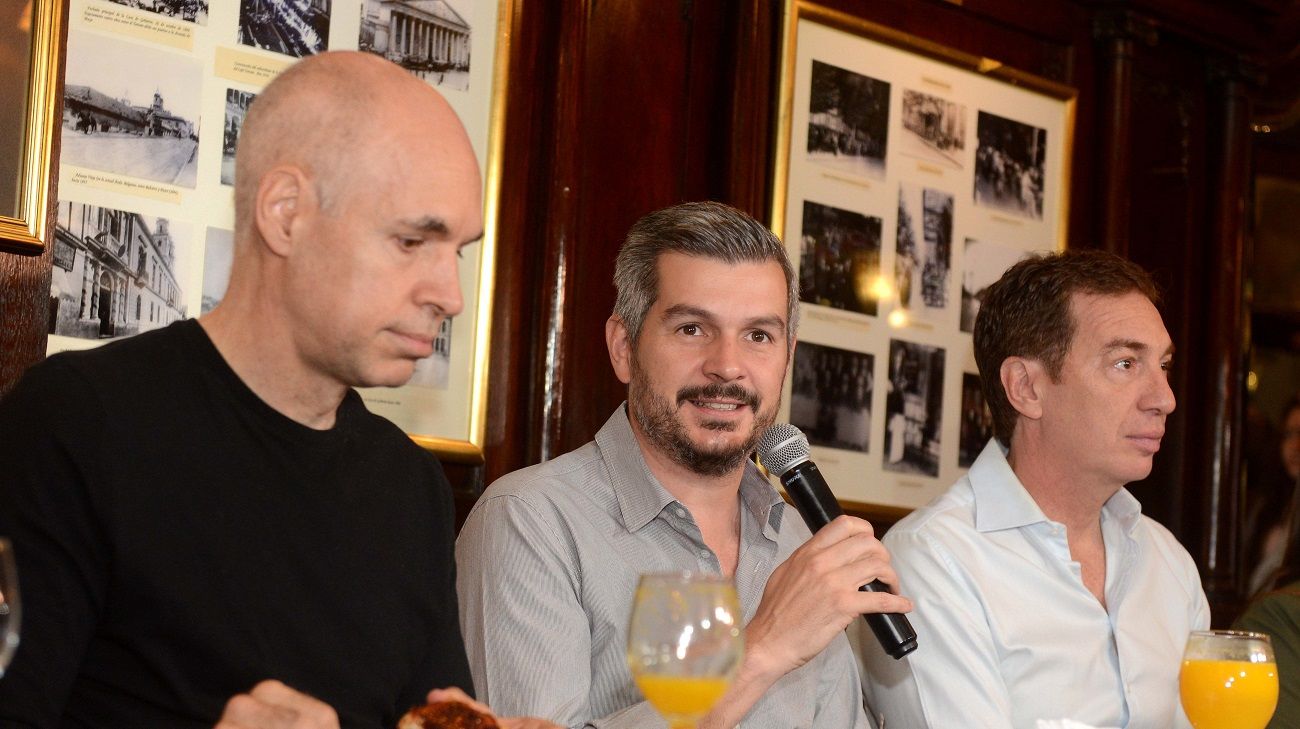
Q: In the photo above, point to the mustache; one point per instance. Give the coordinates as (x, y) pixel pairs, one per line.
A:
(729, 391)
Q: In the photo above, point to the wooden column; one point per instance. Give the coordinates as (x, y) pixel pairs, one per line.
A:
(1229, 156)
(1119, 31)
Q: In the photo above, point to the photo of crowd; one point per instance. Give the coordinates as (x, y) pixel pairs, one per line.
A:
(976, 421)
(913, 408)
(293, 27)
(839, 258)
(934, 129)
(923, 251)
(848, 120)
(193, 11)
(830, 398)
(1009, 166)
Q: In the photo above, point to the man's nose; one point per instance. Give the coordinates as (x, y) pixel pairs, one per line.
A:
(1160, 397)
(440, 287)
(722, 361)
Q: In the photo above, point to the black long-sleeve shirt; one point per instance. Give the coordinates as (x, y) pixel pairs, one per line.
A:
(178, 540)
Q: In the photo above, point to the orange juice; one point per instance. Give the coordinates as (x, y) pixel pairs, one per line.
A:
(681, 700)
(1228, 694)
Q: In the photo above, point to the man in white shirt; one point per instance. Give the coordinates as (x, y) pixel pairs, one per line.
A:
(1041, 590)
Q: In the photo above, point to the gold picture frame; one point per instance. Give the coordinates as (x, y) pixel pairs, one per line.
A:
(23, 227)
(470, 450)
(891, 151)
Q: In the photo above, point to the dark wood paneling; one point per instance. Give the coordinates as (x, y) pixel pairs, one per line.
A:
(24, 313)
(25, 280)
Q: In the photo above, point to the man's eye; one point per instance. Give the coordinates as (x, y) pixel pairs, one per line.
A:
(1124, 364)
(410, 242)
(760, 337)
(690, 329)
(1166, 366)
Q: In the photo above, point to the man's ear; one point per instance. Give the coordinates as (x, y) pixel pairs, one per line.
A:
(283, 194)
(620, 347)
(1022, 380)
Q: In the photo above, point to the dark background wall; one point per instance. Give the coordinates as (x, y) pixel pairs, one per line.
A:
(618, 108)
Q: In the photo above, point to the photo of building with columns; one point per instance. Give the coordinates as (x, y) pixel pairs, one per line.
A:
(426, 37)
(114, 273)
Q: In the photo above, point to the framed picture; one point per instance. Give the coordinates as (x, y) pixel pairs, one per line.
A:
(29, 76)
(154, 102)
(908, 177)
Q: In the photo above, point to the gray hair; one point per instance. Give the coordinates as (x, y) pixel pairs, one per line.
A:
(702, 229)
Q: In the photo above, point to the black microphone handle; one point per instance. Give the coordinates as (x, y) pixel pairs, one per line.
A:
(818, 507)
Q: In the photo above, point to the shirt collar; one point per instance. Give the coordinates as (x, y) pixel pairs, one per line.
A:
(1124, 508)
(641, 497)
(1001, 501)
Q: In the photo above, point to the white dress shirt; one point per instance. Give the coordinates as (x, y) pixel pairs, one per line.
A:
(1007, 631)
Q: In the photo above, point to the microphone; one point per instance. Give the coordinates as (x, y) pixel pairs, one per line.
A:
(784, 451)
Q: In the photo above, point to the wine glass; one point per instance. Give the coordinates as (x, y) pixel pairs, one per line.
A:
(1229, 680)
(10, 615)
(684, 643)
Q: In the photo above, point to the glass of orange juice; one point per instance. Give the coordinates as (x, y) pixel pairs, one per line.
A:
(1229, 680)
(684, 643)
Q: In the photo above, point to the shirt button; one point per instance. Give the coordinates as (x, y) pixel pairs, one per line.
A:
(681, 513)
(704, 553)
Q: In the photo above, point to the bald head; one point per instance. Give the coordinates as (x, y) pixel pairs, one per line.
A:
(330, 113)
(356, 188)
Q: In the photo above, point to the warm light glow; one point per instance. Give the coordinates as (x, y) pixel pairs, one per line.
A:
(882, 289)
(898, 318)
(25, 20)
(1252, 382)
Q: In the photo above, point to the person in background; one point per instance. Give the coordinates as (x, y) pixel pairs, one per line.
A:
(1271, 516)
(208, 523)
(1276, 610)
(548, 560)
(1041, 590)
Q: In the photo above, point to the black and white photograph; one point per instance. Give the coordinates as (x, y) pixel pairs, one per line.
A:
(934, 129)
(115, 272)
(976, 421)
(913, 408)
(1009, 166)
(429, 38)
(433, 371)
(830, 398)
(192, 11)
(218, 255)
(293, 27)
(839, 258)
(131, 110)
(236, 108)
(923, 250)
(848, 121)
(984, 263)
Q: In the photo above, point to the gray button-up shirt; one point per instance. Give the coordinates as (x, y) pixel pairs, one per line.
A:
(548, 563)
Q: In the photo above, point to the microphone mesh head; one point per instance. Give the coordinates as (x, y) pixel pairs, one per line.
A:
(782, 447)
